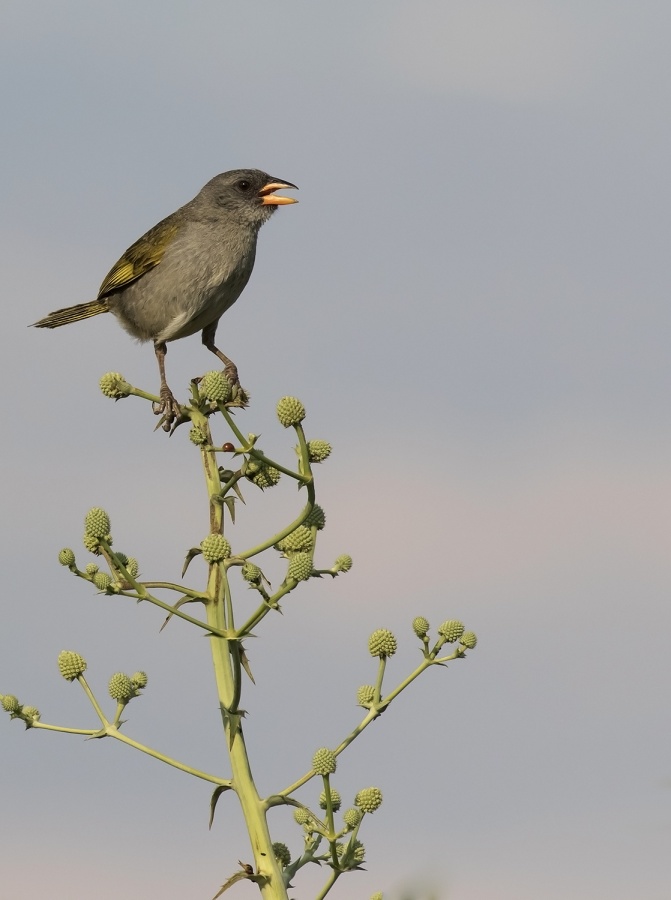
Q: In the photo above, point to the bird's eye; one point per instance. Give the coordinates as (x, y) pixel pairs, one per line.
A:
(244, 185)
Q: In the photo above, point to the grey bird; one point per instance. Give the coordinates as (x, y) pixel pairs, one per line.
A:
(184, 273)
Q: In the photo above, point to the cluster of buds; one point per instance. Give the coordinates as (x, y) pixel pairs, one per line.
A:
(123, 688)
(98, 529)
(27, 714)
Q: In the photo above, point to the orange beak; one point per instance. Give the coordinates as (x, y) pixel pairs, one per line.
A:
(268, 198)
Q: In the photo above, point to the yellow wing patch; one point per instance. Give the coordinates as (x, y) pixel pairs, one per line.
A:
(140, 257)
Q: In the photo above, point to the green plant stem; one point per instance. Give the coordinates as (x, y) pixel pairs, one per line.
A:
(380, 676)
(94, 703)
(263, 610)
(227, 671)
(265, 545)
(371, 715)
(144, 595)
(110, 730)
(86, 732)
(180, 589)
(113, 732)
(333, 877)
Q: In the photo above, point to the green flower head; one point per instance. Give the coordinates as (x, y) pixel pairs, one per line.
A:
(369, 799)
(352, 817)
(282, 854)
(420, 626)
(299, 539)
(290, 411)
(114, 385)
(66, 557)
(469, 640)
(10, 703)
(301, 815)
(382, 643)
(343, 563)
(71, 665)
(251, 573)
(324, 761)
(120, 688)
(365, 695)
(318, 451)
(316, 517)
(300, 567)
(97, 523)
(336, 800)
(216, 387)
(215, 548)
(451, 630)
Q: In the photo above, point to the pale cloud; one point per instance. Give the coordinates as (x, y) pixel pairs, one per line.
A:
(509, 50)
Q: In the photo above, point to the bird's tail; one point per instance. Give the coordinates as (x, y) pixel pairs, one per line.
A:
(72, 314)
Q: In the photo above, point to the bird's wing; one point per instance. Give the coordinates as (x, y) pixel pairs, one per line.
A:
(140, 257)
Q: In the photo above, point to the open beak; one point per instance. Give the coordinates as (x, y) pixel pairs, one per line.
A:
(268, 198)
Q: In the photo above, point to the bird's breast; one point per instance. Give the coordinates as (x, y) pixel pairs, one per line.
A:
(193, 286)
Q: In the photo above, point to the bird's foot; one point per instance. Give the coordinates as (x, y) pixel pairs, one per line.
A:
(231, 372)
(239, 396)
(169, 410)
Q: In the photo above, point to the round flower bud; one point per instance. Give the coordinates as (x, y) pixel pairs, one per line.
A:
(369, 799)
(365, 695)
(215, 386)
(66, 557)
(10, 703)
(301, 815)
(114, 385)
(318, 451)
(266, 477)
(215, 547)
(71, 665)
(123, 559)
(300, 567)
(251, 573)
(102, 581)
(316, 517)
(120, 688)
(336, 800)
(299, 539)
(352, 817)
(357, 851)
(97, 523)
(92, 544)
(282, 854)
(91, 568)
(197, 435)
(139, 680)
(469, 639)
(376, 896)
(420, 626)
(290, 411)
(324, 761)
(31, 712)
(343, 563)
(132, 567)
(451, 630)
(382, 643)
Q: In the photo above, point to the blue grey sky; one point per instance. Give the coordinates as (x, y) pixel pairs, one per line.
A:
(472, 301)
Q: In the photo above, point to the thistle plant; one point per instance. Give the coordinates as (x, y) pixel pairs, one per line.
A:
(325, 835)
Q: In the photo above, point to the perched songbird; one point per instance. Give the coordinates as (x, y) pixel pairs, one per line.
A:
(184, 273)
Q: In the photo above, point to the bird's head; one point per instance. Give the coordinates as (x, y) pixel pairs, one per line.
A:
(246, 196)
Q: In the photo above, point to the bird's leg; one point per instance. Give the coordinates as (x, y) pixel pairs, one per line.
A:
(230, 369)
(168, 407)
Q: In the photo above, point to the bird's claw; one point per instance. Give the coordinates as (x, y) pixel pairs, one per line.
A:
(169, 410)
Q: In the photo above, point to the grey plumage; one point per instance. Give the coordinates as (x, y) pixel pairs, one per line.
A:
(184, 273)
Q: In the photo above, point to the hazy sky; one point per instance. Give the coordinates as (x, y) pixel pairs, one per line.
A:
(472, 301)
